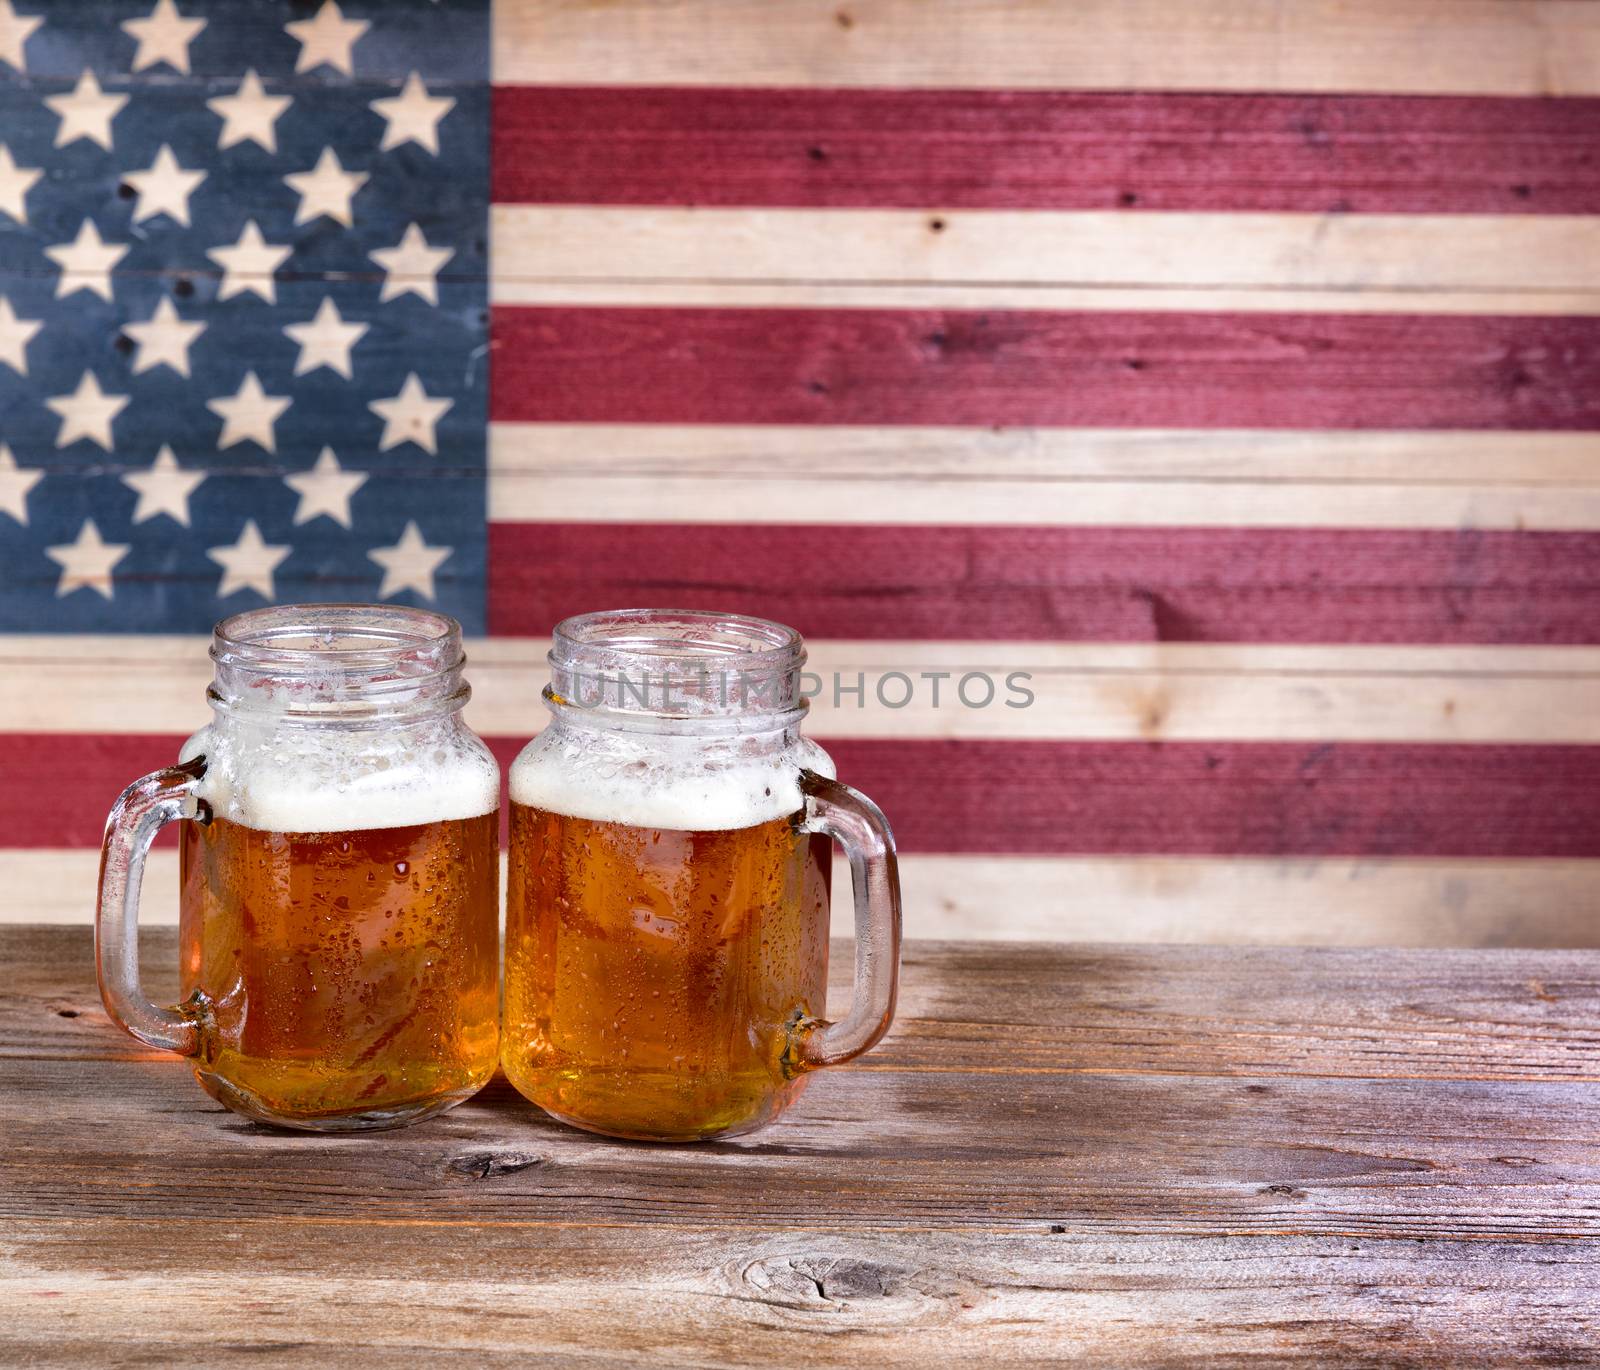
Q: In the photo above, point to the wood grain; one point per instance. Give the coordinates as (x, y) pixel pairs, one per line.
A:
(1133, 369)
(1491, 47)
(1059, 149)
(1157, 1155)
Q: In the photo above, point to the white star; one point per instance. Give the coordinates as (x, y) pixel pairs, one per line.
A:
(86, 113)
(247, 564)
(249, 414)
(15, 482)
(165, 340)
(14, 31)
(15, 335)
(164, 189)
(327, 38)
(15, 182)
(413, 115)
(325, 489)
(412, 265)
(86, 262)
(86, 564)
(163, 489)
(326, 340)
(410, 416)
(326, 189)
(249, 114)
(163, 37)
(249, 264)
(409, 564)
(87, 412)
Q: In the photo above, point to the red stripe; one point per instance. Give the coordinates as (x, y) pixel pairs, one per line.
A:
(998, 149)
(1116, 584)
(1136, 369)
(1230, 798)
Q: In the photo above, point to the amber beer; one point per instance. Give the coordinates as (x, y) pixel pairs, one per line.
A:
(654, 975)
(342, 972)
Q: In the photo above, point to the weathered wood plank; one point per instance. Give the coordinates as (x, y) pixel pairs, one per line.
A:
(1225, 901)
(1056, 1011)
(1110, 691)
(1126, 584)
(1140, 370)
(1493, 47)
(1270, 799)
(493, 1293)
(1055, 298)
(1042, 150)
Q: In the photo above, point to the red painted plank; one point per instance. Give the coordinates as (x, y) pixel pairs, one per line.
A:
(1114, 584)
(997, 149)
(1111, 369)
(1232, 799)
(1242, 799)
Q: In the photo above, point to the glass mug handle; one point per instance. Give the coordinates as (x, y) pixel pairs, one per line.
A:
(142, 810)
(860, 828)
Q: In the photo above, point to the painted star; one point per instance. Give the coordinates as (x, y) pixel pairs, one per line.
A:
(325, 489)
(164, 188)
(164, 36)
(409, 564)
(15, 335)
(86, 564)
(326, 340)
(15, 482)
(15, 182)
(86, 262)
(164, 488)
(87, 412)
(14, 31)
(165, 340)
(249, 114)
(327, 38)
(248, 564)
(248, 415)
(413, 116)
(410, 416)
(412, 265)
(249, 264)
(326, 189)
(86, 113)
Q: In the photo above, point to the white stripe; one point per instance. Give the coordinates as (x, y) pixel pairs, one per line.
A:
(1107, 691)
(652, 293)
(1079, 477)
(1282, 261)
(1470, 47)
(1343, 902)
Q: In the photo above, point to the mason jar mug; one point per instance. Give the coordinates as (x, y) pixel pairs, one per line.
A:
(668, 887)
(339, 920)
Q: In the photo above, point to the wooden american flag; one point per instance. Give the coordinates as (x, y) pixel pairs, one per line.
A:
(1232, 367)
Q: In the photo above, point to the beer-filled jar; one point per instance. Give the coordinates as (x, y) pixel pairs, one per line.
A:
(339, 906)
(668, 888)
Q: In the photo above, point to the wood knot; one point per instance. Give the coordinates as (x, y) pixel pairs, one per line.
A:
(484, 1165)
(1288, 1191)
(847, 1288)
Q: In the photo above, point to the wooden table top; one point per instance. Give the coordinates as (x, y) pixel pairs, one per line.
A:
(1081, 1154)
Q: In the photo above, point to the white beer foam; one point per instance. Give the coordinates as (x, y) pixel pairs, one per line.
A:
(310, 779)
(686, 784)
